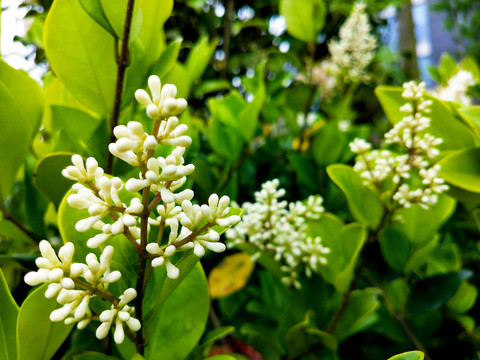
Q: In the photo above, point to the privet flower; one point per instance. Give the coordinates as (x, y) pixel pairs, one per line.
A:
(456, 89)
(73, 284)
(278, 227)
(414, 151)
(353, 52)
(191, 226)
(120, 315)
(163, 102)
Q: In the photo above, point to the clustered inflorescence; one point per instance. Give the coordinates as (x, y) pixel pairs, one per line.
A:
(162, 203)
(352, 53)
(279, 227)
(457, 87)
(408, 165)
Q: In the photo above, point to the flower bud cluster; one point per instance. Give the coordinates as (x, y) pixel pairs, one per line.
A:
(73, 284)
(100, 196)
(162, 103)
(121, 314)
(353, 52)
(457, 87)
(278, 227)
(411, 160)
(197, 229)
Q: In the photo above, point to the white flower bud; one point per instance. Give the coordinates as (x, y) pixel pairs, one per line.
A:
(33, 278)
(150, 143)
(60, 314)
(133, 324)
(153, 248)
(153, 112)
(142, 97)
(217, 247)
(103, 329)
(170, 250)
(158, 261)
(128, 295)
(198, 250)
(53, 290)
(78, 202)
(134, 185)
(77, 270)
(55, 275)
(172, 270)
(155, 86)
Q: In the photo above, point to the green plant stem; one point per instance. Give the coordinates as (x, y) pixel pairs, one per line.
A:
(122, 64)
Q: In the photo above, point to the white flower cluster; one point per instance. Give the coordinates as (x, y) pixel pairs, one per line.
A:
(416, 151)
(74, 284)
(279, 227)
(456, 89)
(353, 52)
(191, 226)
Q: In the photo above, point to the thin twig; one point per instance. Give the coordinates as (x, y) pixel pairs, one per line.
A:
(122, 64)
(7, 215)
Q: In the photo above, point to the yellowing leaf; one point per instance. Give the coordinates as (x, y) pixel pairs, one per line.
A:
(231, 275)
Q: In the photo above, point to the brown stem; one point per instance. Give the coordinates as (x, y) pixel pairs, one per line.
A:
(122, 64)
(7, 215)
(95, 291)
(411, 335)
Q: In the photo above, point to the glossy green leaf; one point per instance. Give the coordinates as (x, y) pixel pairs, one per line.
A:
(462, 168)
(211, 86)
(471, 116)
(10, 231)
(78, 126)
(217, 334)
(364, 204)
(81, 53)
(431, 293)
(49, 178)
(115, 12)
(464, 298)
(304, 18)
(444, 259)
(181, 320)
(95, 10)
(37, 336)
(329, 144)
(325, 338)
(8, 321)
(444, 124)
(395, 248)
(419, 224)
(152, 37)
(419, 256)
(221, 357)
(411, 355)
(359, 314)
(21, 101)
(168, 58)
(199, 57)
(179, 76)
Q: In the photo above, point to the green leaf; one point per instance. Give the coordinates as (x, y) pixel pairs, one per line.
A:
(411, 355)
(199, 57)
(210, 86)
(37, 336)
(471, 116)
(430, 294)
(419, 257)
(447, 67)
(95, 10)
(364, 204)
(464, 298)
(469, 64)
(181, 320)
(115, 12)
(329, 144)
(78, 126)
(221, 357)
(217, 334)
(359, 314)
(81, 53)
(21, 101)
(444, 124)
(395, 248)
(419, 225)
(351, 240)
(462, 169)
(168, 58)
(10, 231)
(48, 176)
(8, 321)
(304, 18)
(152, 37)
